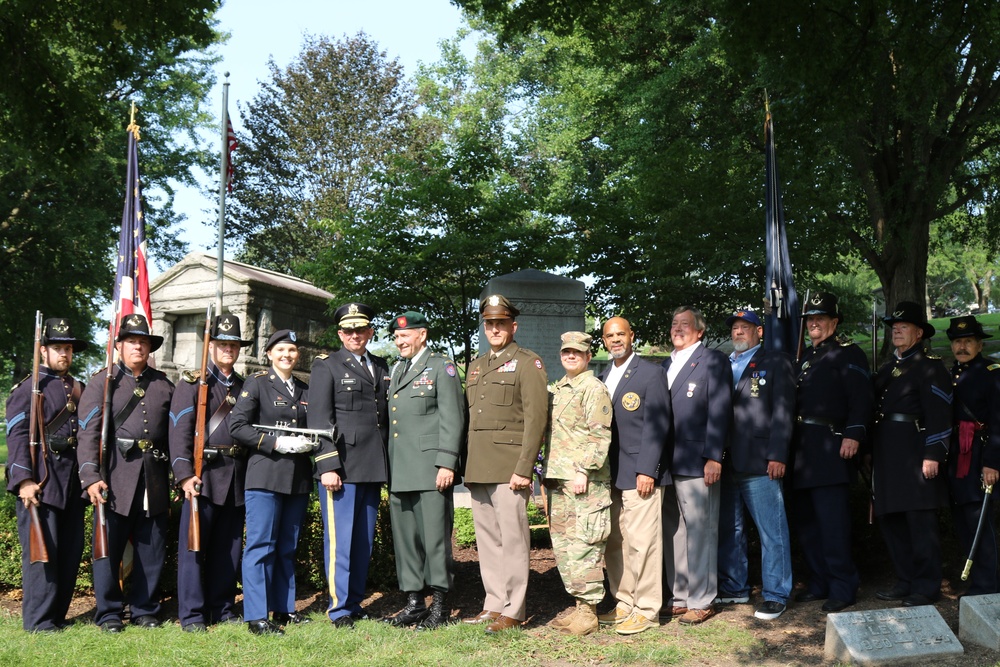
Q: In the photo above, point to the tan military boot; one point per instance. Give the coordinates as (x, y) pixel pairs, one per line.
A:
(583, 622)
(560, 623)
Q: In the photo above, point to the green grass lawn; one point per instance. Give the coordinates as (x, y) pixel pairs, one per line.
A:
(372, 643)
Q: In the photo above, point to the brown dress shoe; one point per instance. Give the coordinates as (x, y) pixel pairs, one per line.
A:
(501, 624)
(695, 616)
(482, 617)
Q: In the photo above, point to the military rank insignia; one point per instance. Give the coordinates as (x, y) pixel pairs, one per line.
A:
(538, 364)
(631, 401)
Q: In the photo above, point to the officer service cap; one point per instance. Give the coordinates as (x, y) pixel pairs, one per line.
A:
(911, 313)
(136, 324)
(411, 319)
(967, 325)
(354, 316)
(497, 307)
(748, 315)
(575, 340)
(823, 303)
(281, 336)
(56, 331)
(227, 328)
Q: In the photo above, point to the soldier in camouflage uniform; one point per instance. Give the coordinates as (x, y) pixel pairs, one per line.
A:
(578, 475)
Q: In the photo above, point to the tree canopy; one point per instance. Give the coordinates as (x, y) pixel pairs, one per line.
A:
(73, 68)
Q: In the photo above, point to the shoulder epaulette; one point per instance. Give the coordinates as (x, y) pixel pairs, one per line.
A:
(260, 374)
(26, 378)
(322, 356)
(993, 367)
(98, 371)
(190, 376)
(844, 341)
(936, 357)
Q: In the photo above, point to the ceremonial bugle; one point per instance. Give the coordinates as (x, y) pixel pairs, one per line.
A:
(314, 433)
(200, 424)
(37, 551)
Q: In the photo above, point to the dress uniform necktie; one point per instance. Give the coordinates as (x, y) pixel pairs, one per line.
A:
(368, 367)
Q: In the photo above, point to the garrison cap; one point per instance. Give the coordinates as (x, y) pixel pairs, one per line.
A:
(136, 324)
(911, 313)
(575, 340)
(354, 316)
(967, 325)
(411, 319)
(227, 328)
(281, 336)
(497, 307)
(56, 331)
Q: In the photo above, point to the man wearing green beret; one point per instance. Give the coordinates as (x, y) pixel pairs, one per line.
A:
(427, 425)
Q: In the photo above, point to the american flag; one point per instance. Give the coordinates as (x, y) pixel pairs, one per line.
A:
(232, 145)
(131, 293)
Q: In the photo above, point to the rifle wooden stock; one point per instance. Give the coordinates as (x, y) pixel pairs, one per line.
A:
(200, 425)
(100, 533)
(37, 551)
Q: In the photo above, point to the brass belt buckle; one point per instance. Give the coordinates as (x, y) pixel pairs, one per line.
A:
(144, 444)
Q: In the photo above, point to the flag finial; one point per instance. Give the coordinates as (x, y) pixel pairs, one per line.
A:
(132, 127)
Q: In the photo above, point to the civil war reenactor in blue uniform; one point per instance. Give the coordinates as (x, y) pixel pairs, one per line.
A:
(910, 446)
(206, 579)
(975, 461)
(834, 405)
(137, 466)
(350, 390)
(53, 487)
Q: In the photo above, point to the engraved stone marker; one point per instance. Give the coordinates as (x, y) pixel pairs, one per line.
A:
(911, 635)
(979, 620)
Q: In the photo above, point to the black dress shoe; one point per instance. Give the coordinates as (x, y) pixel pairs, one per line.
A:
(835, 605)
(114, 625)
(294, 618)
(414, 612)
(916, 600)
(897, 592)
(808, 596)
(343, 622)
(194, 627)
(264, 627)
(146, 622)
(360, 616)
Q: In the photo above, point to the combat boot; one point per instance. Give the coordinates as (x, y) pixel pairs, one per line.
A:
(560, 623)
(438, 615)
(413, 612)
(583, 622)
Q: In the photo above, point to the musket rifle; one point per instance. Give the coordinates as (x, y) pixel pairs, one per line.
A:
(38, 552)
(107, 437)
(200, 424)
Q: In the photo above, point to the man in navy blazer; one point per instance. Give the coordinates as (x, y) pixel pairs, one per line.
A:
(701, 398)
(640, 434)
(753, 468)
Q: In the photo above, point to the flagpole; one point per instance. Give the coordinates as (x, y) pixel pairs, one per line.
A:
(223, 183)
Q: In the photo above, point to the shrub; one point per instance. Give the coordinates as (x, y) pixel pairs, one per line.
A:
(465, 531)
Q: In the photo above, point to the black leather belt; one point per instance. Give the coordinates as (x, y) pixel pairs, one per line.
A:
(125, 445)
(60, 445)
(819, 421)
(899, 417)
(222, 450)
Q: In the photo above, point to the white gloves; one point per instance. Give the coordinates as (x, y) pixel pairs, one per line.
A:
(293, 444)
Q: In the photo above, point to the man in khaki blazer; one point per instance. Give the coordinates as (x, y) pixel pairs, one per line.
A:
(426, 430)
(508, 416)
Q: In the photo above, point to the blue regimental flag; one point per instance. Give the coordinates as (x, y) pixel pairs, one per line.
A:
(131, 291)
(781, 329)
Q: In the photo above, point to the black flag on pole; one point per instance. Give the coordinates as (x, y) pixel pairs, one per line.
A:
(782, 322)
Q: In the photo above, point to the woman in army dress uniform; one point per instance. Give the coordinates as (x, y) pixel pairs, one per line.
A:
(278, 483)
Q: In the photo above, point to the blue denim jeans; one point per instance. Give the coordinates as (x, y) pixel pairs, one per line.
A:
(765, 502)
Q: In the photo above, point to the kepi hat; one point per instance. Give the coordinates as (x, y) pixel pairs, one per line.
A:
(823, 303)
(967, 325)
(227, 328)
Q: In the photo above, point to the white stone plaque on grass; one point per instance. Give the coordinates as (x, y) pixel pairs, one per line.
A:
(913, 635)
(979, 620)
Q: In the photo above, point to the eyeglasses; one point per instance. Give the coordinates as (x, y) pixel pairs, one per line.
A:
(357, 331)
